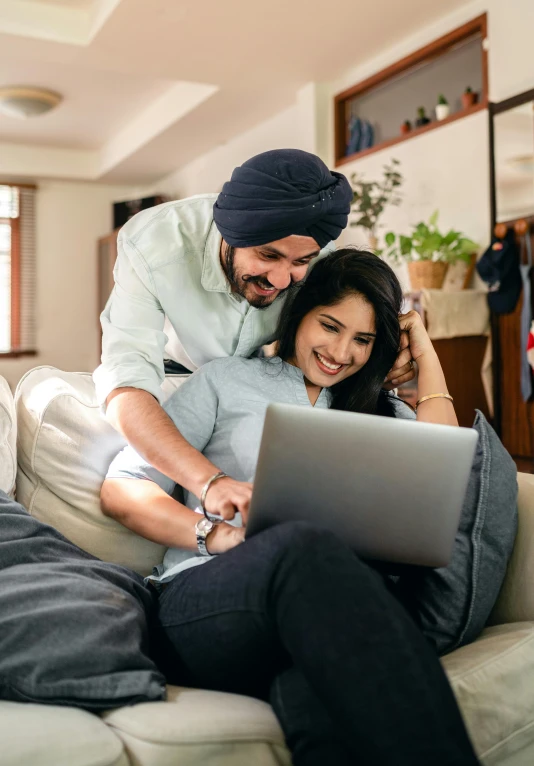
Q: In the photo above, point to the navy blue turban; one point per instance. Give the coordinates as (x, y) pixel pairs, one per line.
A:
(279, 193)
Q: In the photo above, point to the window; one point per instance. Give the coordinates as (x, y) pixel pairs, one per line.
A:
(17, 269)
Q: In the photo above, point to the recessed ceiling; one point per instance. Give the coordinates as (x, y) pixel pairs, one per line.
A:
(96, 104)
(66, 3)
(149, 85)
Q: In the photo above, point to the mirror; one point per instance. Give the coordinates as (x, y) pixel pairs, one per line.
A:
(513, 152)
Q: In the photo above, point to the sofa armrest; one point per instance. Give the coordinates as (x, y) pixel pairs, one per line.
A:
(516, 599)
(8, 439)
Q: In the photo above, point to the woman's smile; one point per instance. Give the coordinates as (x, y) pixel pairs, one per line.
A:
(327, 365)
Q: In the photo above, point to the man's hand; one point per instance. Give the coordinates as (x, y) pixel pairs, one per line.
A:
(226, 497)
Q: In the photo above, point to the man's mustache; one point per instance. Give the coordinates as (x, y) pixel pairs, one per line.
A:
(266, 285)
(261, 281)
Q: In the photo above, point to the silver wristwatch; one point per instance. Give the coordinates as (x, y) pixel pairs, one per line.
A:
(203, 528)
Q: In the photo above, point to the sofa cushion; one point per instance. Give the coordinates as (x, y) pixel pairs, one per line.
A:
(73, 629)
(452, 604)
(516, 599)
(492, 681)
(65, 446)
(53, 736)
(201, 727)
(8, 439)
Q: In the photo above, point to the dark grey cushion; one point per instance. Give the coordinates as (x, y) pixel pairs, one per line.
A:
(73, 629)
(453, 604)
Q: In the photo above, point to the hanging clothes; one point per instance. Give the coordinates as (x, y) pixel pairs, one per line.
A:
(526, 323)
(499, 267)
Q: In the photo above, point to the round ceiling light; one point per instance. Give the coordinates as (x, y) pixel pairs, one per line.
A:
(23, 102)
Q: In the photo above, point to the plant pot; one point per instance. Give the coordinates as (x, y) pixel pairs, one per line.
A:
(427, 274)
(405, 128)
(469, 99)
(442, 111)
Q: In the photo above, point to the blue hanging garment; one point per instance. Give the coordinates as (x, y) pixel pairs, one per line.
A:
(526, 321)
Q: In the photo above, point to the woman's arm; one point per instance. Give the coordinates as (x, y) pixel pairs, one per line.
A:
(431, 379)
(142, 506)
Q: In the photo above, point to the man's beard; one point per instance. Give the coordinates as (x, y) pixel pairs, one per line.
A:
(240, 282)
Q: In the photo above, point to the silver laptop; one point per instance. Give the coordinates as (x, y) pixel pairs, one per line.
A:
(392, 488)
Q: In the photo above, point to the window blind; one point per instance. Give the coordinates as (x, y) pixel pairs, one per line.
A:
(17, 269)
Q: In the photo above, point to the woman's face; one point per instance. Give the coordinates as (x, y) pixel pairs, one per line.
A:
(334, 342)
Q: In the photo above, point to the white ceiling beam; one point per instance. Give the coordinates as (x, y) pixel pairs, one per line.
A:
(55, 23)
(180, 99)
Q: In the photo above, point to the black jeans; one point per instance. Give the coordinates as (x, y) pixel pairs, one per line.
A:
(294, 617)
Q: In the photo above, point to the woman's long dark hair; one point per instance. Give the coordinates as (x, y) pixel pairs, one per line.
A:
(351, 272)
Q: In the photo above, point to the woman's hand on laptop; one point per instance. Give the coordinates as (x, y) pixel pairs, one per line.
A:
(226, 497)
(224, 537)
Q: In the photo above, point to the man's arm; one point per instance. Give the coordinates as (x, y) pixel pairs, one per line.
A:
(133, 341)
(149, 430)
(147, 510)
(155, 436)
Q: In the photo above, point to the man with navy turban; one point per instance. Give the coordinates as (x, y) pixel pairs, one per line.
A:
(205, 277)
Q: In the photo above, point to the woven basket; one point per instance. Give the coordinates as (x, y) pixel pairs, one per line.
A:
(427, 274)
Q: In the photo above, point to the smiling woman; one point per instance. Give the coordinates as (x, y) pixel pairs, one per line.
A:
(283, 593)
(329, 329)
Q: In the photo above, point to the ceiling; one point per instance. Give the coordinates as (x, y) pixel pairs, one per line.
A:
(149, 85)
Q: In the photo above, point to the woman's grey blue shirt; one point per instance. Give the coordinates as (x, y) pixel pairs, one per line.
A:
(220, 410)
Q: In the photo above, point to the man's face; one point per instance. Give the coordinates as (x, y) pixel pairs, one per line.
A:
(260, 274)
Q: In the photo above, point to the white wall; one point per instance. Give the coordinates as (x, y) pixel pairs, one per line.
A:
(70, 219)
(445, 170)
(511, 60)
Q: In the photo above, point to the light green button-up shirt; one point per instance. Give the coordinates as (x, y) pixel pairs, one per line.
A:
(172, 300)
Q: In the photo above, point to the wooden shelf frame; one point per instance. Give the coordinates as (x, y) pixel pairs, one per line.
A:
(477, 27)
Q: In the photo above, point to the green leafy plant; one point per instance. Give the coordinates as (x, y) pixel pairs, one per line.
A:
(427, 243)
(370, 198)
(442, 100)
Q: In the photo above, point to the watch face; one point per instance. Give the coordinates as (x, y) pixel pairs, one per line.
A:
(204, 526)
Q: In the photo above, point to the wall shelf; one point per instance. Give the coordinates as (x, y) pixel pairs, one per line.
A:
(413, 133)
(391, 96)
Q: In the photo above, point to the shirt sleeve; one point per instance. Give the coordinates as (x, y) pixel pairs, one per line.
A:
(193, 409)
(400, 408)
(133, 341)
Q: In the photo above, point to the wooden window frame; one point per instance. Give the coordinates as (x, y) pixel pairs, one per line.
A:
(15, 284)
(435, 49)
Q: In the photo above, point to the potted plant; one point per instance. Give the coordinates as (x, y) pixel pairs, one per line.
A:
(442, 108)
(469, 98)
(422, 118)
(428, 252)
(370, 198)
(406, 127)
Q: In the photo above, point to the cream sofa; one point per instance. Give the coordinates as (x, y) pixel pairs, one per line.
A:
(62, 451)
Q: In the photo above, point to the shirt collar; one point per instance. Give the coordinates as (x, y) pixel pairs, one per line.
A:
(213, 277)
(296, 374)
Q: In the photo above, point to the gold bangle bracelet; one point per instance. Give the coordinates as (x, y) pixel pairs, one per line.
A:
(433, 396)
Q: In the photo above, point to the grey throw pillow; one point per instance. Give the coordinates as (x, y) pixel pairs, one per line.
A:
(453, 604)
(73, 629)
